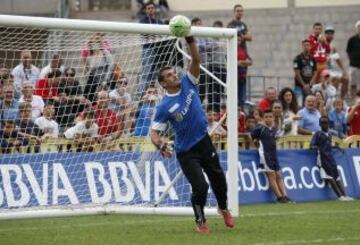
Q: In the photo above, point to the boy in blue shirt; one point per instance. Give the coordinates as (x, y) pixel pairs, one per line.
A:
(181, 106)
(337, 119)
(265, 134)
(321, 141)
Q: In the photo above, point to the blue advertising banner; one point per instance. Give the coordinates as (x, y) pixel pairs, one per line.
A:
(126, 178)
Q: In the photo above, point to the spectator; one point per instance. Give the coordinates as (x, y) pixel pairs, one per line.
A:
(164, 8)
(250, 123)
(265, 134)
(85, 132)
(119, 98)
(305, 72)
(25, 123)
(320, 49)
(244, 34)
(37, 103)
(117, 73)
(108, 123)
(143, 121)
(353, 116)
(257, 115)
(97, 65)
(268, 100)
(241, 120)
(56, 63)
(337, 119)
(47, 124)
(213, 128)
(289, 103)
(309, 124)
(149, 47)
(328, 91)
(71, 99)
(320, 103)
(10, 138)
(8, 79)
(48, 88)
(279, 125)
(335, 65)
(244, 61)
(216, 64)
(353, 51)
(25, 70)
(9, 106)
(98, 37)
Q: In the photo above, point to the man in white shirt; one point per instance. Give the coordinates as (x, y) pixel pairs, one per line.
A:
(37, 103)
(25, 70)
(55, 63)
(85, 132)
(119, 98)
(49, 126)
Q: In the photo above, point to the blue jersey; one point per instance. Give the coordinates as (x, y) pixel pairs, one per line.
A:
(267, 149)
(184, 112)
(322, 140)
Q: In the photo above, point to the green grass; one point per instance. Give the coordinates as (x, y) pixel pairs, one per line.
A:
(276, 224)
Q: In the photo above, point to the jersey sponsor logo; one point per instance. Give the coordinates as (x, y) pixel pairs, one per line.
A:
(189, 99)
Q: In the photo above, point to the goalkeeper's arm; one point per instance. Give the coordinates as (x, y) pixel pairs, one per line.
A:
(159, 144)
(195, 57)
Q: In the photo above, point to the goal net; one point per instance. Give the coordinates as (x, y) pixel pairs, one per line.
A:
(78, 99)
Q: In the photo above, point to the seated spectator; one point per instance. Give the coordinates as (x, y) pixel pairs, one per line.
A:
(328, 90)
(47, 88)
(353, 116)
(289, 103)
(320, 103)
(213, 128)
(9, 137)
(85, 132)
(257, 115)
(56, 63)
(119, 98)
(108, 123)
(8, 79)
(278, 118)
(71, 99)
(305, 72)
(268, 100)
(9, 106)
(25, 123)
(250, 123)
(143, 121)
(37, 103)
(337, 120)
(116, 74)
(309, 124)
(47, 124)
(25, 71)
(241, 120)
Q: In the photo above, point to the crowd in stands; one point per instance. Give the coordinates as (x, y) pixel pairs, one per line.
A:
(38, 104)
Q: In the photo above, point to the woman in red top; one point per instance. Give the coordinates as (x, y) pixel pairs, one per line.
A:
(47, 88)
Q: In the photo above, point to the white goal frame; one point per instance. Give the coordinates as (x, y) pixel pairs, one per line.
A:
(134, 28)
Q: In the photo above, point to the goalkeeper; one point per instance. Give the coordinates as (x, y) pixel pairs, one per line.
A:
(195, 152)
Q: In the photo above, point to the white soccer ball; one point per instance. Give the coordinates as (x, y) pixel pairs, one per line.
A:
(180, 26)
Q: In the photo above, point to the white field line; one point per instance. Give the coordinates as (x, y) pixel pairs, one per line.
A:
(315, 241)
(151, 221)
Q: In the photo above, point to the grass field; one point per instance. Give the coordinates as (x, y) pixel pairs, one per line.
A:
(330, 222)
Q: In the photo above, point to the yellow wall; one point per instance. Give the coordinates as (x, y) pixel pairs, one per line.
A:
(313, 3)
(198, 5)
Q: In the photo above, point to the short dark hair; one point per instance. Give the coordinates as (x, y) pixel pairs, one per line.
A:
(162, 69)
(218, 23)
(267, 111)
(195, 19)
(322, 118)
(317, 24)
(24, 105)
(9, 121)
(305, 41)
(149, 3)
(54, 73)
(236, 6)
(249, 117)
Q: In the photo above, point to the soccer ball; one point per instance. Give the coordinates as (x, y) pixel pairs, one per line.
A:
(180, 26)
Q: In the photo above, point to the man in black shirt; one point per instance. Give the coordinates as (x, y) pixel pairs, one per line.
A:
(244, 34)
(305, 72)
(353, 51)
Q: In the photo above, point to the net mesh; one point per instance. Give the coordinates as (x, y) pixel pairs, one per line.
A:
(76, 111)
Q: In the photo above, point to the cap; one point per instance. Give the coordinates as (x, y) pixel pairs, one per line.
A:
(325, 73)
(329, 29)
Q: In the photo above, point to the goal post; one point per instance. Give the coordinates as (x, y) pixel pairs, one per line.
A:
(25, 186)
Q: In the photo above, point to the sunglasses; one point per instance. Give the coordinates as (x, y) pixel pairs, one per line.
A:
(70, 74)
